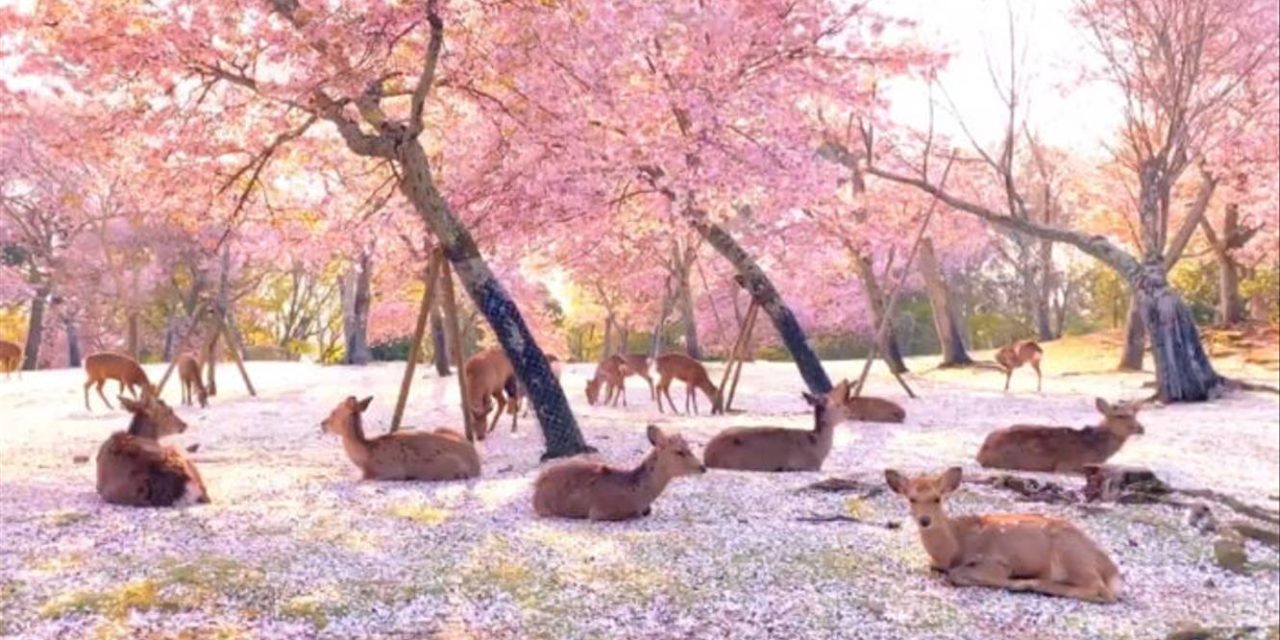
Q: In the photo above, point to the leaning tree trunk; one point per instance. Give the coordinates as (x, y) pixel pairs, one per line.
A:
(1135, 338)
(1183, 370)
(355, 311)
(871, 288)
(760, 288)
(439, 349)
(35, 328)
(73, 342)
(559, 428)
(691, 345)
(946, 320)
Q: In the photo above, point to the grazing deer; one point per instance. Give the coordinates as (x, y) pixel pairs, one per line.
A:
(10, 358)
(1015, 354)
(1062, 449)
(106, 365)
(487, 373)
(135, 470)
(189, 378)
(682, 367)
(403, 455)
(635, 364)
(584, 489)
(778, 448)
(611, 374)
(1018, 552)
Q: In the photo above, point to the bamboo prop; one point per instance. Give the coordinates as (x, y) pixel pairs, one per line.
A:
(419, 332)
(752, 314)
(186, 337)
(232, 337)
(453, 334)
(737, 345)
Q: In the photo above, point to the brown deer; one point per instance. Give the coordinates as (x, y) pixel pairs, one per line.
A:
(611, 374)
(1015, 354)
(678, 366)
(487, 373)
(189, 378)
(778, 448)
(135, 470)
(585, 489)
(403, 455)
(869, 409)
(10, 358)
(1018, 552)
(1062, 449)
(107, 365)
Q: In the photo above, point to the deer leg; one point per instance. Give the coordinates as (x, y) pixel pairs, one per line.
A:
(987, 573)
(500, 403)
(652, 392)
(87, 384)
(667, 392)
(1008, 375)
(622, 390)
(102, 383)
(693, 395)
(1039, 378)
(1096, 592)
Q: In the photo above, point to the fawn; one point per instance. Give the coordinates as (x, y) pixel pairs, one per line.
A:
(107, 365)
(189, 378)
(135, 470)
(403, 455)
(780, 449)
(1062, 449)
(10, 358)
(1015, 354)
(1018, 552)
(585, 489)
(682, 367)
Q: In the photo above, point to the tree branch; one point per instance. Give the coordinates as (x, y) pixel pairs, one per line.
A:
(428, 76)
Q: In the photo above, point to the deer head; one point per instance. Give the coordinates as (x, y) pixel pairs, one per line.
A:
(593, 391)
(674, 459)
(1120, 418)
(152, 418)
(345, 416)
(925, 493)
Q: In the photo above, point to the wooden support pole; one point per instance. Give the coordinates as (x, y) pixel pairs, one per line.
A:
(453, 333)
(752, 314)
(419, 332)
(182, 344)
(231, 336)
(737, 346)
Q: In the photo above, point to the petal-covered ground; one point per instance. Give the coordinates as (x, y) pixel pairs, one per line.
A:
(294, 545)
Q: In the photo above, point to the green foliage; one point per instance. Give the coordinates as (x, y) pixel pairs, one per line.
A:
(1262, 288)
(1105, 300)
(392, 350)
(1198, 286)
(990, 329)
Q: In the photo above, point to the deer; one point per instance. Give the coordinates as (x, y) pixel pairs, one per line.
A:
(10, 358)
(189, 378)
(1018, 552)
(672, 366)
(1017, 353)
(869, 409)
(1062, 449)
(403, 455)
(107, 365)
(779, 448)
(487, 373)
(634, 364)
(585, 489)
(611, 374)
(135, 470)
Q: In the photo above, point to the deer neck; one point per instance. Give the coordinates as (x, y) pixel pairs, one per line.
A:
(649, 481)
(356, 445)
(824, 430)
(1106, 440)
(942, 543)
(142, 427)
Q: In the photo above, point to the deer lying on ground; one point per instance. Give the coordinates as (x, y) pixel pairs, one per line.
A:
(135, 470)
(869, 409)
(678, 366)
(1015, 354)
(1062, 449)
(10, 358)
(585, 489)
(189, 378)
(487, 373)
(780, 449)
(106, 365)
(1018, 552)
(404, 455)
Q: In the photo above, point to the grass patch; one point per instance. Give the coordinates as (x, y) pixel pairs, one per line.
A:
(64, 518)
(114, 603)
(315, 608)
(419, 513)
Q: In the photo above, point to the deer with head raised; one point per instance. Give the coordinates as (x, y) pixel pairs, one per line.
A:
(678, 366)
(1018, 552)
(778, 448)
(1017, 353)
(403, 455)
(1062, 449)
(585, 489)
(134, 469)
(10, 358)
(106, 365)
(189, 378)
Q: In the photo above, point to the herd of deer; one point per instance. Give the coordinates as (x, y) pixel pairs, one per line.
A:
(1015, 552)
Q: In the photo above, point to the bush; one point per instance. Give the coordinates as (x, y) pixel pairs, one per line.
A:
(391, 350)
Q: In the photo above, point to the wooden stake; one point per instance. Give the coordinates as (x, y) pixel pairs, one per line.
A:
(232, 337)
(419, 332)
(453, 334)
(752, 314)
(737, 345)
(186, 337)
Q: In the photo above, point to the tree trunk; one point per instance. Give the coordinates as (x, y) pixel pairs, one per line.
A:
(1043, 313)
(355, 311)
(946, 321)
(559, 428)
(439, 350)
(889, 350)
(1135, 338)
(759, 286)
(624, 338)
(1230, 304)
(1183, 370)
(35, 329)
(133, 338)
(211, 363)
(690, 317)
(668, 301)
(170, 329)
(606, 347)
(73, 342)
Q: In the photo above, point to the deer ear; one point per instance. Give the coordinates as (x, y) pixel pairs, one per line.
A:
(1103, 406)
(951, 479)
(364, 404)
(656, 436)
(895, 480)
(132, 406)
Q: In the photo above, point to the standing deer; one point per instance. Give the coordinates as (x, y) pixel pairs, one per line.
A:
(404, 455)
(1018, 353)
(585, 489)
(1018, 552)
(487, 373)
(106, 365)
(778, 448)
(189, 378)
(10, 358)
(678, 366)
(1062, 449)
(135, 470)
